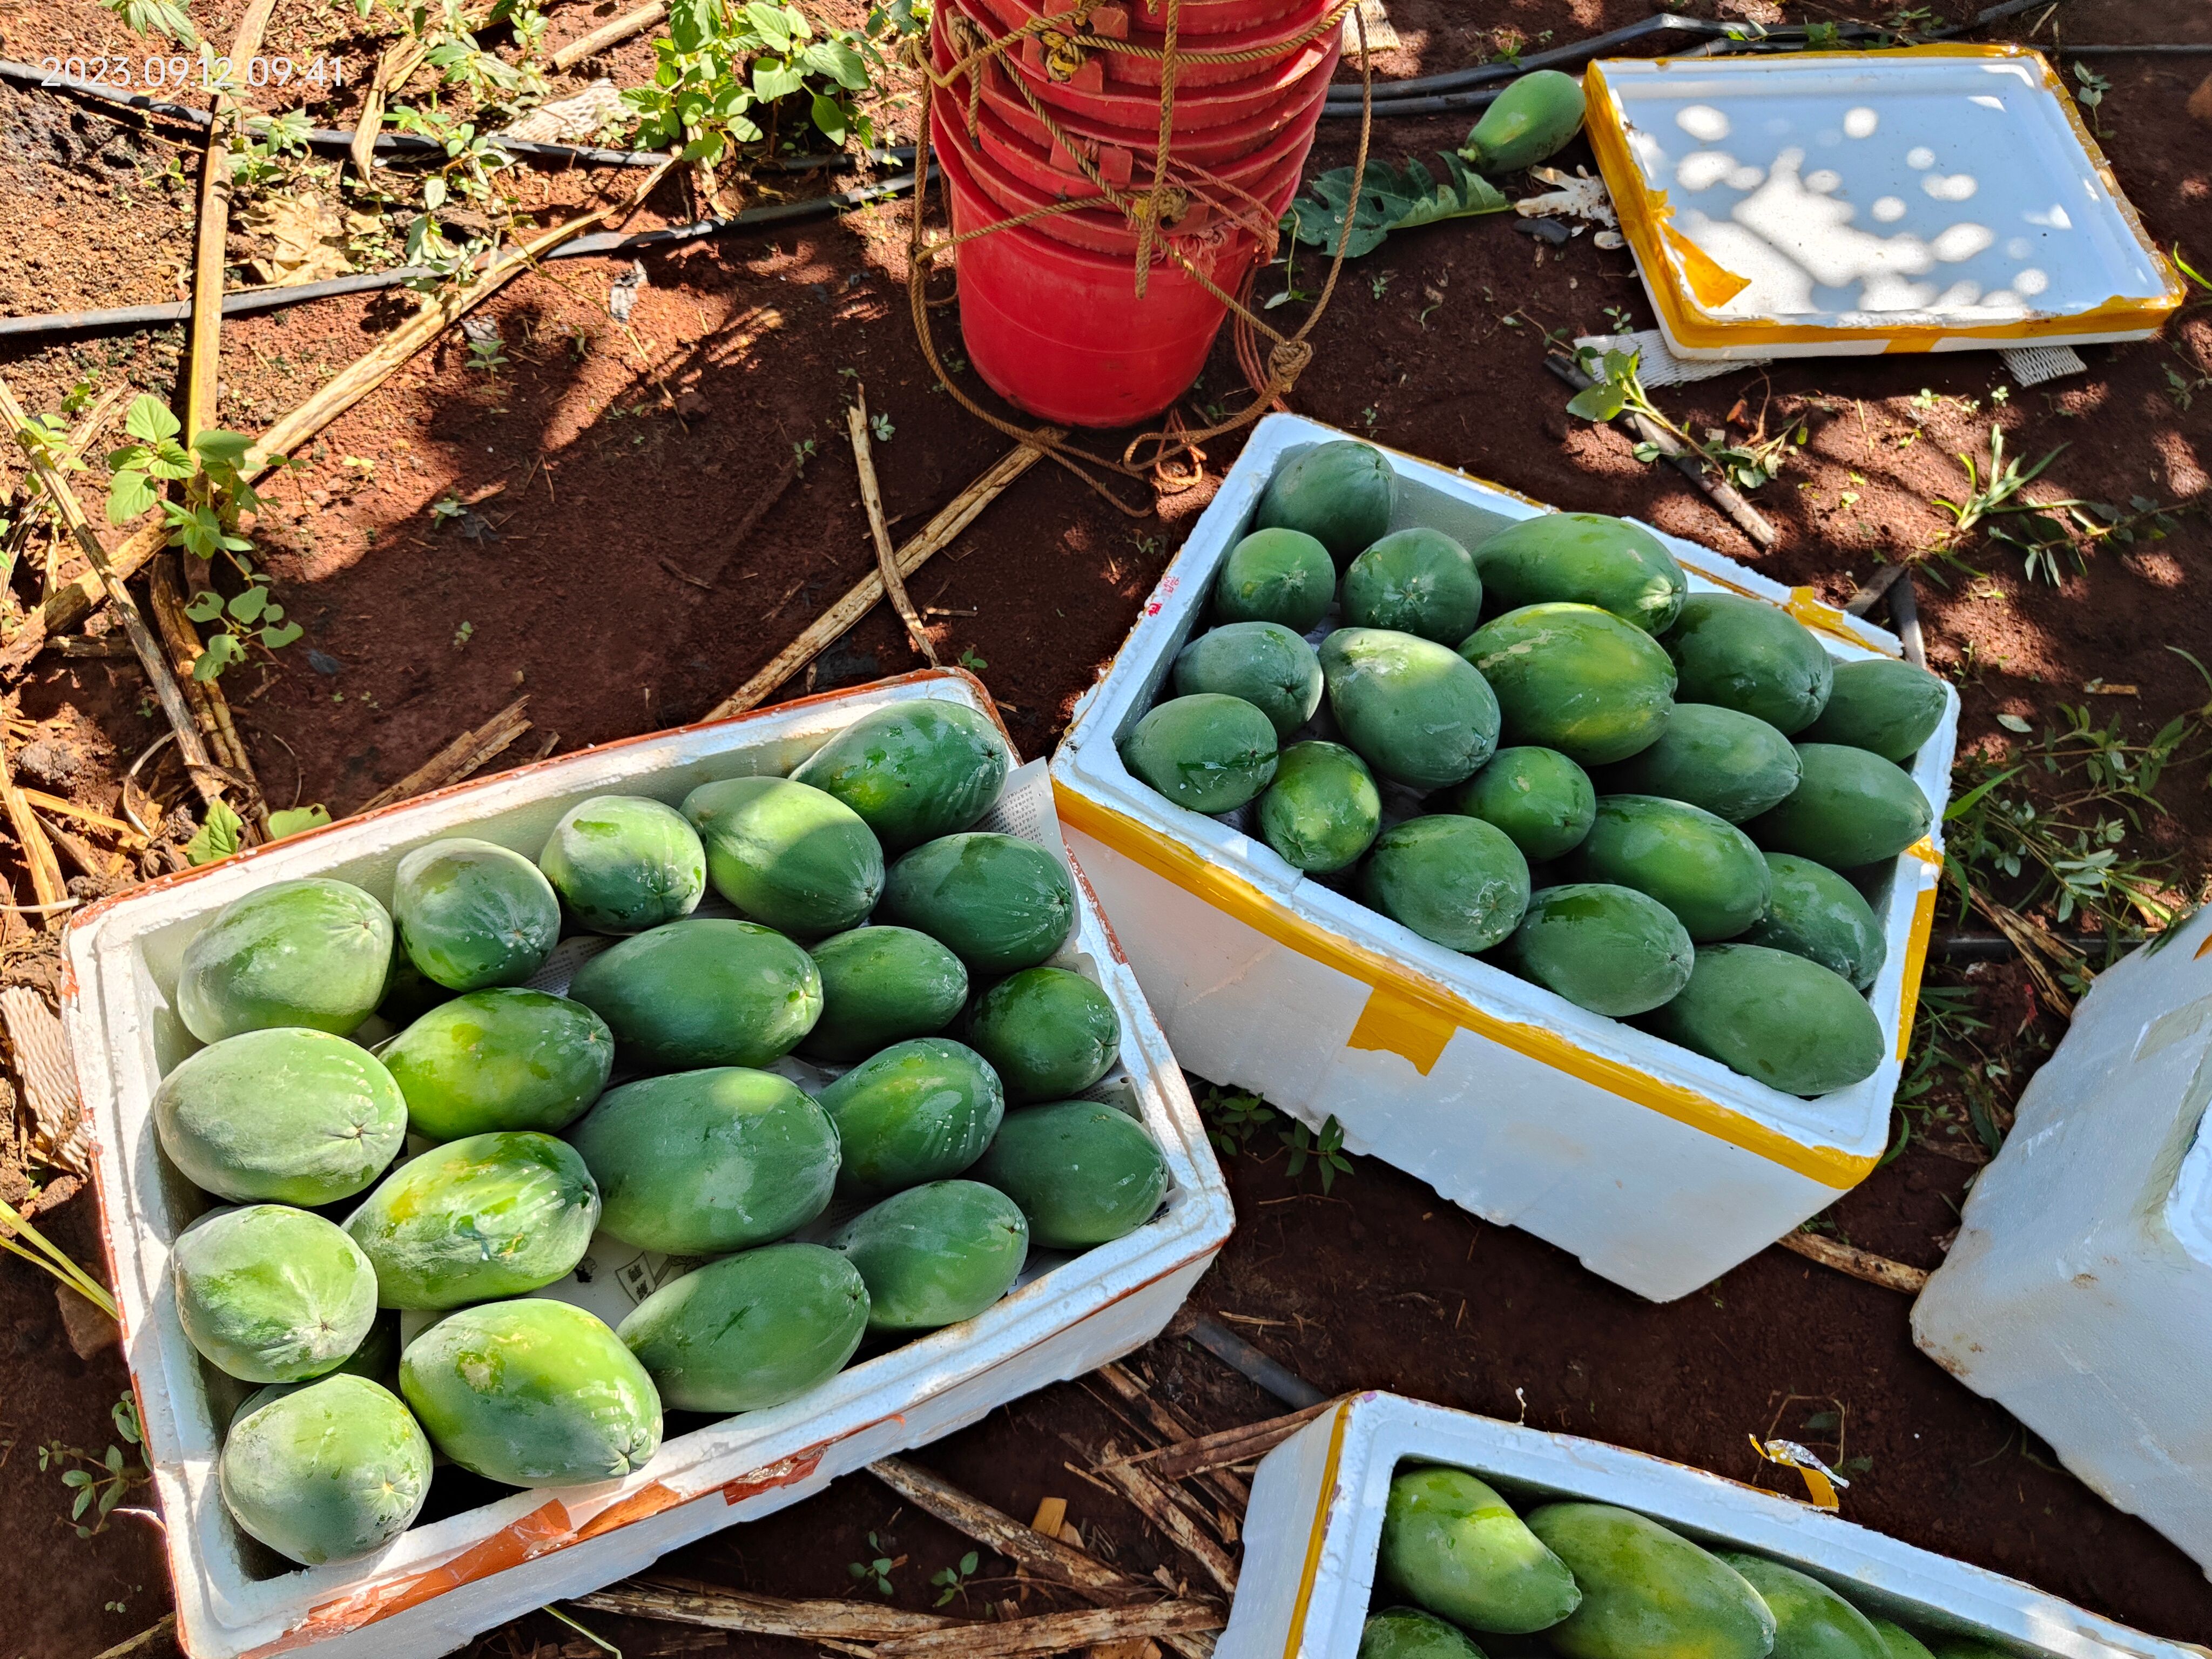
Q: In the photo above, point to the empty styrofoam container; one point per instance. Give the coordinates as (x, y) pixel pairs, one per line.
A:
(447, 1579)
(1317, 1523)
(2079, 1293)
(1939, 198)
(1659, 1168)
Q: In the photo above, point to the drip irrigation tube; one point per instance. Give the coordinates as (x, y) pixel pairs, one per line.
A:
(1462, 91)
(129, 317)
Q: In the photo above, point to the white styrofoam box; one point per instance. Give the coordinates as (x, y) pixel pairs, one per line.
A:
(445, 1581)
(1317, 1523)
(1659, 1168)
(2079, 1293)
(1940, 199)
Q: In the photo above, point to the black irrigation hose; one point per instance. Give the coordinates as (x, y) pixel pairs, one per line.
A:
(1440, 95)
(1234, 1352)
(132, 317)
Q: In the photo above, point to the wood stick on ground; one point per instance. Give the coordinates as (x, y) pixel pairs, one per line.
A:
(1862, 600)
(438, 314)
(1723, 495)
(608, 34)
(41, 1054)
(1229, 1447)
(458, 759)
(76, 598)
(210, 708)
(1131, 1390)
(80, 852)
(37, 852)
(872, 497)
(826, 629)
(2043, 953)
(166, 692)
(1162, 1506)
(1045, 1557)
(678, 1602)
(70, 808)
(1057, 1632)
(80, 441)
(150, 1640)
(394, 65)
(211, 235)
(1859, 1264)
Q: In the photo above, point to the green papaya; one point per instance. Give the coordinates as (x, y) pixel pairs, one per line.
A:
(1699, 865)
(1575, 678)
(1415, 711)
(1776, 1017)
(1338, 492)
(1542, 800)
(935, 1255)
(1902, 1643)
(1409, 1633)
(1881, 704)
(921, 1110)
(1282, 576)
(271, 1294)
(1323, 810)
(1451, 1544)
(914, 771)
(1049, 1033)
(1811, 1621)
(1733, 764)
(751, 1330)
(1457, 881)
(1850, 807)
(487, 1216)
(291, 1114)
(703, 1162)
(1648, 1593)
(1746, 654)
(1415, 581)
(788, 855)
(1817, 915)
(704, 991)
(1944, 1645)
(1611, 950)
(329, 1472)
(1262, 662)
(1583, 558)
(881, 986)
(471, 914)
(315, 953)
(500, 1059)
(1535, 117)
(1209, 752)
(998, 903)
(534, 1393)
(1083, 1174)
(622, 863)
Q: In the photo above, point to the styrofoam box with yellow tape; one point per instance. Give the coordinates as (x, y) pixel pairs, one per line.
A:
(1939, 198)
(1316, 1524)
(1659, 1168)
(447, 1579)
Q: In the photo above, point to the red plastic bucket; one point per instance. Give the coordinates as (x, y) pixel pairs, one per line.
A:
(1196, 17)
(1060, 330)
(1206, 147)
(1281, 36)
(1030, 163)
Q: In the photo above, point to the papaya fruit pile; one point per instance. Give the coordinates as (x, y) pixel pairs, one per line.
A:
(1545, 749)
(937, 1094)
(1458, 1566)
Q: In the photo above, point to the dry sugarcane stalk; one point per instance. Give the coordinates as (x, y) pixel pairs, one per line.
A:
(438, 314)
(1227, 1448)
(820, 633)
(677, 1602)
(37, 853)
(212, 233)
(872, 497)
(1165, 1418)
(1057, 1632)
(394, 65)
(55, 804)
(166, 691)
(1044, 1556)
(79, 441)
(40, 1049)
(209, 706)
(1162, 1506)
(147, 1641)
(608, 34)
(81, 852)
(76, 598)
(1859, 1264)
(458, 759)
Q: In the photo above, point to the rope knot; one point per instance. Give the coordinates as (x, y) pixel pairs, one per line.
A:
(1286, 361)
(1064, 57)
(1164, 205)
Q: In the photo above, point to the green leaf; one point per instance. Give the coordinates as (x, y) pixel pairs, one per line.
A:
(2015, 723)
(222, 650)
(220, 833)
(773, 80)
(968, 1562)
(249, 604)
(76, 1478)
(276, 639)
(218, 447)
(1389, 199)
(129, 495)
(205, 606)
(771, 24)
(434, 192)
(149, 420)
(839, 62)
(830, 118)
(84, 1496)
(1601, 402)
(294, 819)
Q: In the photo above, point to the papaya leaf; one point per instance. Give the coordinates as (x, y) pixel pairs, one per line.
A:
(1389, 199)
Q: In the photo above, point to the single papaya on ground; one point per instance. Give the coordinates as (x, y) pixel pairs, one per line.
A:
(1537, 115)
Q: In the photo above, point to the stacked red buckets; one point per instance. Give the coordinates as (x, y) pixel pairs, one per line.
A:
(1049, 308)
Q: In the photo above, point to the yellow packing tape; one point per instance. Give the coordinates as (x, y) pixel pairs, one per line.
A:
(1311, 1571)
